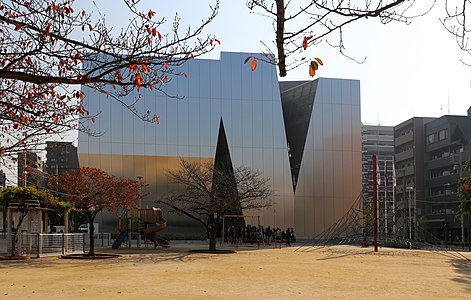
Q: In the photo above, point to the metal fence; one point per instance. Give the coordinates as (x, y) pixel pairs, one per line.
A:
(101, 240)
(40, 245)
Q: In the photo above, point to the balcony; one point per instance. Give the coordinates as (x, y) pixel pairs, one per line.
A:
(406, 138)
(438, 163)
(441, 181)
(404, 155)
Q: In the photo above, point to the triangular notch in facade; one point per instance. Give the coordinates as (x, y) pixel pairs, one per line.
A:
(297, 99)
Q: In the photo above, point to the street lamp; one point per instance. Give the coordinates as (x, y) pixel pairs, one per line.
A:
(409, 189)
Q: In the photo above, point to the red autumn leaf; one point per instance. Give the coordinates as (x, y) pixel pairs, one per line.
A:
(145, 68)
(15, 126)
(151, 14)
(19, 26)
(305, 43)
(90, 27)
(247, 59)
(186, 75)
(254, 64)
(165, 64)
(107, 95)
(467, 186)
(47, 30)
(149, 31)
(319, 61)
(157, 119)
(154, 31)
(217, 41)
(165, 78)
(159, 36)
(93, 119)
(83, 13)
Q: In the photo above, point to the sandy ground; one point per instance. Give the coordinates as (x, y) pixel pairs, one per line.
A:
(341, 272)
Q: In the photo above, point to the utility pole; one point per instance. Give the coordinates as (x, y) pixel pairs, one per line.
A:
(463, 238)
(409, 188)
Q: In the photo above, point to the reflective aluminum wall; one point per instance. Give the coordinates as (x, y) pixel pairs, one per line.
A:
(324, 131)
(328, 164)
(248, 103)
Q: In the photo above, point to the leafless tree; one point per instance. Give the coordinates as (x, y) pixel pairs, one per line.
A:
(205, 194)
(301, 24)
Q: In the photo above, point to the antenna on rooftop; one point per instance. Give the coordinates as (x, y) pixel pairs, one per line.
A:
(448, 102)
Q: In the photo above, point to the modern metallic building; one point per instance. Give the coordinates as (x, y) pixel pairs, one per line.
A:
(304, 136)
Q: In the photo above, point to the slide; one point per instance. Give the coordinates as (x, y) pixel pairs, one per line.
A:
(122, 236)
(155, 222)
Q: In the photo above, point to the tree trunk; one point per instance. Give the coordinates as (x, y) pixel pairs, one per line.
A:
(91, 231)
(212, 228)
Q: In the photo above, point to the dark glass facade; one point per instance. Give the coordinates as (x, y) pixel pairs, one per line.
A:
(249, 104)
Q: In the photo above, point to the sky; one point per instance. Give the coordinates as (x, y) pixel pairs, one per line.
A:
(410, 70)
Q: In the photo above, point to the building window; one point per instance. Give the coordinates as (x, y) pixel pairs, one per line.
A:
(432, 138)
(442, 134)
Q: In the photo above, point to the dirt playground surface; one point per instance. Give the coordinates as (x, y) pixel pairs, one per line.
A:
(341, 272)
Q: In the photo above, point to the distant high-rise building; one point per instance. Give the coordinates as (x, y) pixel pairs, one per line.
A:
(61, 157)
(379, 140)
(30, 168)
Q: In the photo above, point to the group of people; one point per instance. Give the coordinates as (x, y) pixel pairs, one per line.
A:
(254, 234)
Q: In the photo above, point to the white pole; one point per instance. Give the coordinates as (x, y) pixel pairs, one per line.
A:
(385, 199)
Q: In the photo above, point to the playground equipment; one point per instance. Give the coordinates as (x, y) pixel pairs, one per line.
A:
(153, 221)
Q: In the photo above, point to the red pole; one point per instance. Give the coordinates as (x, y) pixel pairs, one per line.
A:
(375, 205)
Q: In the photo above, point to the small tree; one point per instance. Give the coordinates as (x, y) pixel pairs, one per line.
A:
(207, 193)
(21, 199)
(92, 191)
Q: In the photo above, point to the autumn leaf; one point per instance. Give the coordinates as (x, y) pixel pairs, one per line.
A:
(319, 61)
(254, 64)
(312, 72)
(149, 31)
(315, 65)
(47, 30)
(151, 14)
(185, 74)
(157, 120)
(19, 26)
(159, 36)
(305, 43)
(138, 81)
(217, 41)
(154, 31)
(247, 59)
(93, 119)
(165, 64)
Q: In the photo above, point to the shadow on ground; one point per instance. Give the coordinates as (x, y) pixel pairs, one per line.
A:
(463, 270)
